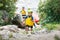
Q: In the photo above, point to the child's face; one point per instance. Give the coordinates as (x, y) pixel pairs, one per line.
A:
(23, 8)
(29, 14)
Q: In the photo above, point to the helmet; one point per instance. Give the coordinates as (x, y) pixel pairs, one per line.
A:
(29, 10)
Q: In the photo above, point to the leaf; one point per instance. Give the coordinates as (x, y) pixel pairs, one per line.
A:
(1, 4)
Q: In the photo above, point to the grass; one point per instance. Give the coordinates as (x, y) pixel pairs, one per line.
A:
(52, 26)
(10, 35)
(1, 37)
(57, 37)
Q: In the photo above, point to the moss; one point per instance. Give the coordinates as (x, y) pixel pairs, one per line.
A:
(10, 35)
(50, 26)
(57, 37)
(0, 37)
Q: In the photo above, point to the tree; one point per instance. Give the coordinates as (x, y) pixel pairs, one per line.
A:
(8, 6)
(51, 9)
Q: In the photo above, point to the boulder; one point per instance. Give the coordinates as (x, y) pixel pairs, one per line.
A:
(12, 28)
(12, 32)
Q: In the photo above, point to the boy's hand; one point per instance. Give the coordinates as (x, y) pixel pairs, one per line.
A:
(23, 23)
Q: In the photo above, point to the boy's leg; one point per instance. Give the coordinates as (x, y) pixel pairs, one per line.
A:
(26, 29)
(31, 29)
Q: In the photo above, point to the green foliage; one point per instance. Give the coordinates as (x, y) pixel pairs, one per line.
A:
(1, 21)
(50, 10)
(57, 37)
(1, 37)
(10, 35)
(51, 26)
(9, 7)
(1, 4)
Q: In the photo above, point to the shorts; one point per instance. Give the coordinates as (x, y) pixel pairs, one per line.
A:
(24, 16)
(29, 26)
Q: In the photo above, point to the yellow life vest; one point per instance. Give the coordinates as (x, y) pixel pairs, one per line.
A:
(29, 21)
(23, 12)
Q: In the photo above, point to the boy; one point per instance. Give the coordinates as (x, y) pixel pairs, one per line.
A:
(29, 22)
(23, 12)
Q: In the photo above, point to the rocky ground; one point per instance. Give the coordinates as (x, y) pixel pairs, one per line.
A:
(11, 32)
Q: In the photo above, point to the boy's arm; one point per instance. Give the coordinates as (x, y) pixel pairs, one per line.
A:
(32, 18)
(33, 22)
(25, 18)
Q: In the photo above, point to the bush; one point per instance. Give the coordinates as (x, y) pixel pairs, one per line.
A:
(57, 37)
(50, 10)
(50, 26)
(7, 9)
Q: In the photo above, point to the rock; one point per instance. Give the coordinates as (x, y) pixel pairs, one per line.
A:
(12, 28)
(8, 34)
(4, 34)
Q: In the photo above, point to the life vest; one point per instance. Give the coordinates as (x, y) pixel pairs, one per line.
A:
(29, 21)
(23, 12)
